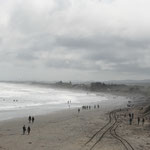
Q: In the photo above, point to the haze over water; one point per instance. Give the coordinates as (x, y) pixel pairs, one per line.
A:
(20, 100)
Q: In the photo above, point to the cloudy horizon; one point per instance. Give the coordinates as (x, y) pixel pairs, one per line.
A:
(98, 40)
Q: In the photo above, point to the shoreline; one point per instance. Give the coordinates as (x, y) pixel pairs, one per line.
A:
(47, 110)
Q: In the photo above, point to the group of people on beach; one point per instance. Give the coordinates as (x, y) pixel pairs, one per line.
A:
(131, 117)
(28, 129)
(31, 119)
(88, 107)
(24, 129)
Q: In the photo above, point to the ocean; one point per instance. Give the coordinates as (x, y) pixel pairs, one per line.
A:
(21, 100)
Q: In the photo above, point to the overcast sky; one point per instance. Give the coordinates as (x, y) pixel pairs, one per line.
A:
(74, 39)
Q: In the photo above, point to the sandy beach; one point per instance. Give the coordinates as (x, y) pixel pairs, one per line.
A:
(105, 128)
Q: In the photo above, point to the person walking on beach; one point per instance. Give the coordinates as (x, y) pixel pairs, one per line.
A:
(28, 129)
(143, 120)
(132, 115)
(138, 120)
(78, 110)
(68, 104)
(130, 121)
(29, 119)
(24, 129)
(32, 119)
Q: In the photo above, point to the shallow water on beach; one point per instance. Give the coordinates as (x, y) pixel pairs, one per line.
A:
(20, 100)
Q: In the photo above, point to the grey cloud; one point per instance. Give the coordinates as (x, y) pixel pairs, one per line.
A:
(63, 64)
(63, 35)
(109, 49)
(101, 42)
(26, 56)
(133, 69)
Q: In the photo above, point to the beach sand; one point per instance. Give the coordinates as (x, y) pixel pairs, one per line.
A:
(105, 128)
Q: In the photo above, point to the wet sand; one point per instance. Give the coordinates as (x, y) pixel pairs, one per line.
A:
(106, 128)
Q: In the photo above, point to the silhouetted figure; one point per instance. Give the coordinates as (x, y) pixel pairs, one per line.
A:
(24, 129)
(69, 103)
(143, 120)
(29, 119)
(138, 120)
(132, 115)
(97, 106)
(130, 121)
(94, 106)
(32, 119)
(28, 129)
(78, 110)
